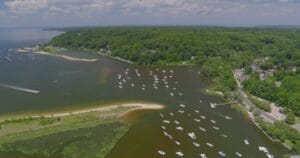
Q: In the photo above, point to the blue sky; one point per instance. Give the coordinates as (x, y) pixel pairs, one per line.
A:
(18, 13)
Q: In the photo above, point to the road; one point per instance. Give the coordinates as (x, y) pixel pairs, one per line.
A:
(248, 104)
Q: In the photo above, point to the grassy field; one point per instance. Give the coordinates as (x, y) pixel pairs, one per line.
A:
(94, 142)
(90, 134)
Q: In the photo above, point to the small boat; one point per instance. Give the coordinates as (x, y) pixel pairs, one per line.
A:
(200, 101)
(216, 128)
(238, 154)
(172, 94)
(180, 94)
(228, 118)
(177, 142)
(163, 127)
(270, 156)
(221, 153)
(176, 122)
(196, 111)
(197, 120)
(202, 129)
(263, 149)
(143, 88)
(209, 145)
(181, 111)
(179, 128)
(120, 86)
(192, 135)
(170, 136)
(213, 121)
(203, 117)
(171, 113)
(196, 144)
(225, 136)
(160, 152)
(246, 142)
(203, 155)
(161, 115)
(182, 105)
(166, 121)
(165, 133)
(179, 153)
(212, 105)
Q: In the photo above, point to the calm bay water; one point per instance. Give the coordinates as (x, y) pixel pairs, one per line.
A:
(64, 84)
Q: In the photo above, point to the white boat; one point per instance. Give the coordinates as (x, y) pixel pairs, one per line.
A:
(179, 153)
(200, 101)
(202, 129)
(203, 155)
(196, 144)
(221, 153)
(179, 128)
(212, 105)
(228, 118)
(161, 152)
(182, 105)
(166, 121)
(143, 88)
(172, 94)
(176, 122)
(170, 136)
(213, 121)
(225, 136)
(165, 133)
(196, 111)
(132, 85)
(246, 142)
(203, 117)
(192, 135)
(120, 86)
(197, 120)
(177, 142)
(216, 128)
(181, 111)
(163, 127)
(238, 154)
(180, 93)
(270, 156)
(171, 113)
(210, 145)
(263, 149)
(161, 115)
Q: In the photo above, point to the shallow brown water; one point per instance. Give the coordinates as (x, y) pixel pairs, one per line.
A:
(66, 84)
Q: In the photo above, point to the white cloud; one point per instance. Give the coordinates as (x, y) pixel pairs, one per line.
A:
(25, 6)
(155, 9)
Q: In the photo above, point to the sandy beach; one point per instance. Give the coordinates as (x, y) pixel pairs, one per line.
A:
(65, 57)
(135, 106)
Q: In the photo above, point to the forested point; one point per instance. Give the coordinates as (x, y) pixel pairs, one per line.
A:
(219, 51)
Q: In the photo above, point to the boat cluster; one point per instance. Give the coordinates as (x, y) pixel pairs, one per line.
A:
(171, 122)
(160, 79)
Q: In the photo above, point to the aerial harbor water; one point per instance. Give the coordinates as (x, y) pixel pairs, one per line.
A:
(191, 125)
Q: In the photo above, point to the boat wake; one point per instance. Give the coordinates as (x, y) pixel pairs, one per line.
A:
(19, 88)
